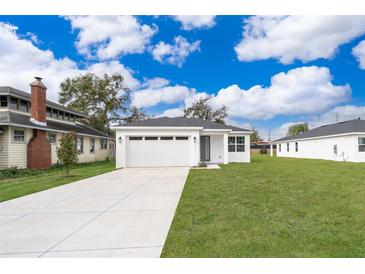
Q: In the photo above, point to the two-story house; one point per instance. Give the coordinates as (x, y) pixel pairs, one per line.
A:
(31, 126)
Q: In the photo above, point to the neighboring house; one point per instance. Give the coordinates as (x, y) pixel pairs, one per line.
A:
(344, 141)
(260, 146)
(31, 126)
(179, 142)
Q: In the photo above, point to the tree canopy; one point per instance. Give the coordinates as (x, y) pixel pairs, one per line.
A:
(297, 129)
(201, 109)
(135, 114)
(103, 99)
(255, 137)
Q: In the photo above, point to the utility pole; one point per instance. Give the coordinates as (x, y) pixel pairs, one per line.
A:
(271, 149)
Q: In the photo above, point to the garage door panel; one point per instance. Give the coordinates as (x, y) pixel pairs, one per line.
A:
(145, 153)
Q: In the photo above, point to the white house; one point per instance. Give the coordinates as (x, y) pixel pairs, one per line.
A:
(344, 141)
(179, 142)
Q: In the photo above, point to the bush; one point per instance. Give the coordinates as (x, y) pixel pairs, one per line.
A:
(67, 152)
(263, 151)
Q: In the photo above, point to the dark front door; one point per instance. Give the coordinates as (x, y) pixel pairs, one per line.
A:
(204, 148)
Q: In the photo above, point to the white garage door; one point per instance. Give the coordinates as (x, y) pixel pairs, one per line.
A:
(151, 151)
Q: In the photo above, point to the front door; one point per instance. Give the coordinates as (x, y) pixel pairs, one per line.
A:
(205, 148)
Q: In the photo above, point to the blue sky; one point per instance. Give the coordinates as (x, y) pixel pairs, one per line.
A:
(318, 62)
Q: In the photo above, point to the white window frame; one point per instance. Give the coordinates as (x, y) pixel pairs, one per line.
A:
(235, 144)
(80, 145)
(55, 138)
(287, 147)
(296, 147)
(92, 145)
(360, 144)
(19, 130)
(335, 149)
(103, 144)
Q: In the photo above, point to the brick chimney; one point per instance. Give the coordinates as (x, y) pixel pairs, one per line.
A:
(38, 98)
(38, 148)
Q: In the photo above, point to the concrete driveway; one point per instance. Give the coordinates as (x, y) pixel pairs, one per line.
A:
(124, 213)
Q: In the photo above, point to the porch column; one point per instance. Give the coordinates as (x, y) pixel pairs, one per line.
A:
(225, 148)
(271, 150)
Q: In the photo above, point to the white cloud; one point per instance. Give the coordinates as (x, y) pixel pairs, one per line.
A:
(154, 83)
(108, 37)
(154, 96)
(190, 22)
(304, 90)
(288, 38)
(359, 53)
(21, 60)
(174, 54)
(172, 112)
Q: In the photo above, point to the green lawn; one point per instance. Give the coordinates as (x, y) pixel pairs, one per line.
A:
(273, 207)
(15, 187)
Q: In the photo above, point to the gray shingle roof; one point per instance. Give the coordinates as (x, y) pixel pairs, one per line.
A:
(26, 96)
(332, 129)
(11, 118)
(181, 122)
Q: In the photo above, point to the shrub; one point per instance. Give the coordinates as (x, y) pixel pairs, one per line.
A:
(67, 152)
(263, 151)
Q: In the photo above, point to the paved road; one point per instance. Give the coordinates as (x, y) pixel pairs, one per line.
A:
(124, 213)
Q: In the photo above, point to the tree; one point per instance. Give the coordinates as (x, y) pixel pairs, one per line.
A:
(201, 109)
(255, 137)
(297, 129)
(134, 115)
(103, 99)
(67, 152)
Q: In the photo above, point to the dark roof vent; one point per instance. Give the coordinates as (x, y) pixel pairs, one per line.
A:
(38, 78)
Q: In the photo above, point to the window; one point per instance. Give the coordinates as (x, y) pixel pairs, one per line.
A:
(179, 138)
(111, 146)
(49, 112)
(236, 144)
(67, 116)
(72, 117)
(14, 103)
(240, 143)
(55, 113)
(61, 115)
(52, 139)
(3, 101)
(287, 147)
(296, 146)
(104, 144)
(150, 138)
(23, 106)
(134, 138)
(231, 144)
(165, 138)
(279, 147)
(80, 144)
(335, 149)
(361, 144)
(19, 135)
(92, 145)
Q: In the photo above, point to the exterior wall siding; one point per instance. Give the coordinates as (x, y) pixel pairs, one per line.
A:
(18, 150)
(14, 154)
(241, 157)
(4, 148)
(323, 148)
